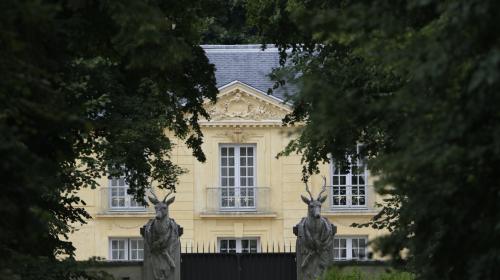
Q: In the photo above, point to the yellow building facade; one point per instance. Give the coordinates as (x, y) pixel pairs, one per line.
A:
(242, 199)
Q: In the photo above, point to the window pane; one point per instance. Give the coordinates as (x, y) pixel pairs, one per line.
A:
(342, 180)
(362, 243)
(355, 253)
(354, 200)
(361, 180)
(223, 246)
(343, 243)
(362, 201)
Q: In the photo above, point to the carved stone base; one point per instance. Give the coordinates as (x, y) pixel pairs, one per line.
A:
(314, 253)
(165, 264)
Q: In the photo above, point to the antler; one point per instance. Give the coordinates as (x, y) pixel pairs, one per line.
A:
(169, 193)
(152, 192)
(308, 191)
(324, 187)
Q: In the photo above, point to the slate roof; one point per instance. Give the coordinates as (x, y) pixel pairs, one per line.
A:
(245, 63)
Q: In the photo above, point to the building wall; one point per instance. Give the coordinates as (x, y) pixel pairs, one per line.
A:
(242, 115)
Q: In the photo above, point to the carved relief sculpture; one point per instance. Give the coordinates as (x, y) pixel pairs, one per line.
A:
(314, 239)
(161, 243)
(239, 105)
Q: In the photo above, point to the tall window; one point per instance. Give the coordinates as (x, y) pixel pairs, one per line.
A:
(124, 249)
(237, 176)
(236, 245)
(350, 248)
(349, 185)
(119, 199)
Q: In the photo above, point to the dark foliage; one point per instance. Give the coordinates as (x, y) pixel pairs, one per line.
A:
(90, 88)
(417, 82)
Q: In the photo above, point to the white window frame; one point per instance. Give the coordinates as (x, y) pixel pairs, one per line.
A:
(237, 177)
(238, 243)
(349, 186)
(128, 198)
(128, 253)
(125, 240)
(137, 250)
(349, 247)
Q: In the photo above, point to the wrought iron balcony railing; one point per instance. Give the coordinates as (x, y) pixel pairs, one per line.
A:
(116, 199)
(238, 199)
(350, 197)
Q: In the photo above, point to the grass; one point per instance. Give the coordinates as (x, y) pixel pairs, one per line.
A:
(356, 274)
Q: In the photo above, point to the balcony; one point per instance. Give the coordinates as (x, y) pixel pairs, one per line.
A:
(115, 201)
(238, 201)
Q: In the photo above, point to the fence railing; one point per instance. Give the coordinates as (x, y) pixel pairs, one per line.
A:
(189, 247)
(349, 197)
(250, 266)
(238, 199)
(116, 199)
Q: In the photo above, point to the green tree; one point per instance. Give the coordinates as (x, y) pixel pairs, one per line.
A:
(417, 82)
(228, 24)
(89, 88)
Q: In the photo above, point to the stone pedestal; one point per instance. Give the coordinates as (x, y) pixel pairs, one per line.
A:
(314, 248)
(162, 251)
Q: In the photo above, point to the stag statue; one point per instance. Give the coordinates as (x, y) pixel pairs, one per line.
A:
(314, 238)
(161, 243)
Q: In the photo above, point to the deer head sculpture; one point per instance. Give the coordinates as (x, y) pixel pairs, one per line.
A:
(314, 205)
(161, 207)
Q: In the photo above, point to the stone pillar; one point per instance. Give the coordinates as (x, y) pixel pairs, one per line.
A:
(162, 246)
(314, 250)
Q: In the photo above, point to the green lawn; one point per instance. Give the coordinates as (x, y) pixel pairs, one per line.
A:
(356, 274)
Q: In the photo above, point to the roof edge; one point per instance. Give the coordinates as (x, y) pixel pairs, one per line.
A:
(239, 48)
(256, 89)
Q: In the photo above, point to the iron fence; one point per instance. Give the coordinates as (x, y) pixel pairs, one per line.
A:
(238, 266)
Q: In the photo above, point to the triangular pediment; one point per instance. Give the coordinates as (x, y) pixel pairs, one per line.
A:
(240, 103)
